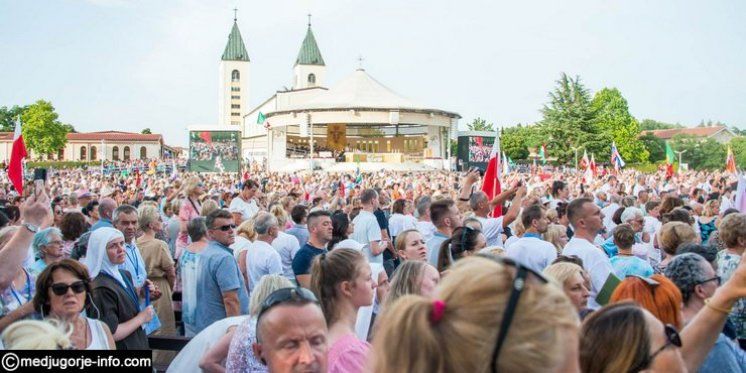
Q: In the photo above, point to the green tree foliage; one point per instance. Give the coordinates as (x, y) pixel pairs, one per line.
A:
(613, 117)
(650, 125)
(43, 133)
(570, 120)
(479, 124)
(8, 117)
(700, 154)
(146, 131)
(515, 141)
(656, 147)
(738, 145)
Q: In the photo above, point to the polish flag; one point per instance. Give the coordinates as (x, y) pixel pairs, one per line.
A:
(15, 168)
(491, 183)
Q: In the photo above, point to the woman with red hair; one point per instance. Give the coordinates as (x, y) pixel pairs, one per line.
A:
(657, 294)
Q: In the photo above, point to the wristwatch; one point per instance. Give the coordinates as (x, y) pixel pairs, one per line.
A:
(32, 228)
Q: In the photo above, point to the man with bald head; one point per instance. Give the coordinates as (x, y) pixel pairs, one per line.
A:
(106, 209)
(291, 317)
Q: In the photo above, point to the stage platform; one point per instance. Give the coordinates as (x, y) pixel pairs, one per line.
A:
(329, 165)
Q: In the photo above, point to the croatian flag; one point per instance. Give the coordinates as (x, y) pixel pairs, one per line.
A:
(18, 153)
(616, 158)
(491, 183)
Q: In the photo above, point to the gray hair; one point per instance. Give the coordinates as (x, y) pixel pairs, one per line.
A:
(368, 196)
(687, 271)
(422, 205)
(476, 199)
(264, 222)
(196, 228)
(123, 209)
(43, 238)
(631, 213)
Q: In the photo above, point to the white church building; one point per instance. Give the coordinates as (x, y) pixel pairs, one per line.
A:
(358, 120)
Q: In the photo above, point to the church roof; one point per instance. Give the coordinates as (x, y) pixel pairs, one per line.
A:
(309, 53)
(361, 91)
(235, 49)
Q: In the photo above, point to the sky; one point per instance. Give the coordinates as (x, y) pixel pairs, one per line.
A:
(133, 64)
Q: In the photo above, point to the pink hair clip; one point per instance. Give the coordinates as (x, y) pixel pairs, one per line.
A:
(438, 310)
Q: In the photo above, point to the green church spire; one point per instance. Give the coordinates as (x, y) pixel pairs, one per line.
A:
(235, 49)
(309, 52)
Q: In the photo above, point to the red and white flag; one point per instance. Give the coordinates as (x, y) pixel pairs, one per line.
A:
(491, 183)
(15, 168)
(584, 162)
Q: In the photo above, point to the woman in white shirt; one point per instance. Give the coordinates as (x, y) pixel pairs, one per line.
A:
(401, 218)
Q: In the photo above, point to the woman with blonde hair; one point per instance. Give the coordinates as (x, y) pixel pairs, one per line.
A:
(208, 205)
(37, 335)
(556, 234)
(672, 235)
(191, 207)
(709, 219)
(472, 324)
(574, 281)
(245, 236)
(413, 277)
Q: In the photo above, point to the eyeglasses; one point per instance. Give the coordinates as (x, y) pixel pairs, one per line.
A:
(226, 228)
(519, 283)
(672, 339)
(717, 279)
(60, 289)
(286, 295)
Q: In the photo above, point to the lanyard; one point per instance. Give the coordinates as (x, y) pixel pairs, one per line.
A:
(129, 289)
(135, 263)
(28, 290)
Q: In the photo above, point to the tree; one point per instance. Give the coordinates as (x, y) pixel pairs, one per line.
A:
(515, 141)
(479, 124)
(569, 120)
(69, 128)
(651, 125)
(613, 118)
(146, 131)
(738, 145)
(655, 146)
(8, 117)
(700, 155)
(43, 133)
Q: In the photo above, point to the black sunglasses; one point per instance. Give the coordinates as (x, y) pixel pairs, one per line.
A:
(519, 283)
(717, 279)
(286, 295)
(672, 339)
(61, 289)
(226, 228)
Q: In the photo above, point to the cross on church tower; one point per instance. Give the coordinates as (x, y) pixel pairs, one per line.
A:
(360, 62)
(235, 14)
(309, 20)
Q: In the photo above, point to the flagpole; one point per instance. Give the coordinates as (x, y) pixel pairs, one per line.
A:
(103, 155)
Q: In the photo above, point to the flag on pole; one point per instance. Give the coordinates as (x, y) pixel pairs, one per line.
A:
(730, 162)
(584, 162)
(593, 167)
(616, 158)
(17, 155)
(506, 164)
(670, 159)
(491, 183)
(260, 118)
(543, 154)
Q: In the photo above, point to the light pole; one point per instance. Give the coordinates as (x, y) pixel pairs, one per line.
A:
(680, 153)
(576, 148)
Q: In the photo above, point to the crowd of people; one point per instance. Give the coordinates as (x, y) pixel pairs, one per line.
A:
(385, 271)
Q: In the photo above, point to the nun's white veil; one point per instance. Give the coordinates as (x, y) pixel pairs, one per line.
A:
(96, 258)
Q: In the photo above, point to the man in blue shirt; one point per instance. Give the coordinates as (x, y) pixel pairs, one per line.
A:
(105, 211)
(221, 290)
(446, 217)
(125, 220)
(320, 229)
(299, 229)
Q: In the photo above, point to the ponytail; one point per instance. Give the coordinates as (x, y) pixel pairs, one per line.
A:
(327, 271)
(445, 255)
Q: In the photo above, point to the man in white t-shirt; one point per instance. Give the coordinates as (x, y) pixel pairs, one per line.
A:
(493, 228)
(531, 250)
(367, 231)
(245, 203)
(424, 224)
(287, 246)
(587, 220)
(609, 211)
(261, 258)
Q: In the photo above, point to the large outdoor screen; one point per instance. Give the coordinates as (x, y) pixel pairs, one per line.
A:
(214, 151)
(480, 148)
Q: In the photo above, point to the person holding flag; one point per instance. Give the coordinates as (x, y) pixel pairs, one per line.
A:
(730, 162)
(616, 158)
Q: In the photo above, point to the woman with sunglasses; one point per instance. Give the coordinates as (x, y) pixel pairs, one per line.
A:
(486, 307)
(463, 242)
(342, 280)
(113, 291)
(63, 293)
(48, 248)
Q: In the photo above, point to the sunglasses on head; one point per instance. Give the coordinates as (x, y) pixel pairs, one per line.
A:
(286, 295)
(61, 289)
(519, 283)
(226, 228)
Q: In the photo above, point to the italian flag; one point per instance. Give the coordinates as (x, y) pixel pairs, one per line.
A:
(670, 159)
(18, 153)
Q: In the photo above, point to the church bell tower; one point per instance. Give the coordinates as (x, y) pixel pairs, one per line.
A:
(234, 79)
(309, 70)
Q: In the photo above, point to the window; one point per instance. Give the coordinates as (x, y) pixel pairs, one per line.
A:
(311, 78)
(93, 153)
(235, 89)
(235, 106)
(83, 151)
(126, 153)
(235, 114)
(236, 123)
(143, 153)
(235, 76)
(235, 97)
(115, 153)
(61, 154)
